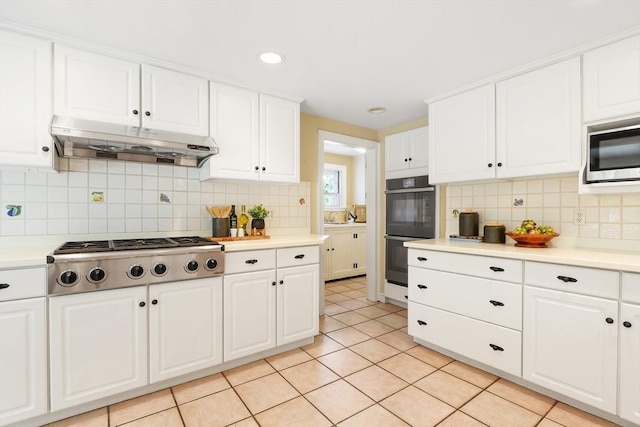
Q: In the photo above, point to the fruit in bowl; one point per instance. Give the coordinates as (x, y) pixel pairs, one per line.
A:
(529, 235)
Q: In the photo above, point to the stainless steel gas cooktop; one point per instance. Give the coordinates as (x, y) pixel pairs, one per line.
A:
(107, 264)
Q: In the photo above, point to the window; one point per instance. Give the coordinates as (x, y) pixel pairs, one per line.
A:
(335, 188)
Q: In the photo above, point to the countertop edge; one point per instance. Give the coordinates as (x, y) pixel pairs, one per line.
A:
(275, 242)
(580, 257)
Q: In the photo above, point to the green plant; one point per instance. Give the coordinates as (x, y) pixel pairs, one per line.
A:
(258, 212)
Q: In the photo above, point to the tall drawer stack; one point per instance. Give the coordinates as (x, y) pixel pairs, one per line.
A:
(468, 304)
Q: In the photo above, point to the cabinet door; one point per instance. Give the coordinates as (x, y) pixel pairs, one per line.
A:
(360, 250)
(98, 345)
(612, 80)
(538, 120)
(25, 104)
(249, 313)
(234, 127)
(569, 347)
(297, 303)
(185, 327)
(462, 137)
(279, 139)
(630, 362)
(419, 151)
(23, 360)
(396, 152)
(174, 101)
(96, 87)
(343, 256)
(327, 257)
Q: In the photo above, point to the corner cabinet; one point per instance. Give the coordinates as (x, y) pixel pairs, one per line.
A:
(524, 126)
(109, 357)
(267, 306)
(407, 153)
(612, 80)
(258, 136)
(96, 87)
(25, 104)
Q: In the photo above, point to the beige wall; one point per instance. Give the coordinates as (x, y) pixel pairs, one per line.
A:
(310, 125)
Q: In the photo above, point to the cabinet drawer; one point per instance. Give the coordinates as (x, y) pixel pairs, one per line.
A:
(396, 292)
(489, 344)
(508, 270)
(23, 283)
(247, 261)
(579, 280)
(290, 257)
(483, 299)
(631, 287)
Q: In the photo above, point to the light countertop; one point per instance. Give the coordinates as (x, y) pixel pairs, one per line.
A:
(582, 257)
(345, 224)
(274, 242)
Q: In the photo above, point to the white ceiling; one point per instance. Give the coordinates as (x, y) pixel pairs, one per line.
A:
(343, 57)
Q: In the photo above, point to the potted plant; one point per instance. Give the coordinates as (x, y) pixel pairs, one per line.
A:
(258, 214)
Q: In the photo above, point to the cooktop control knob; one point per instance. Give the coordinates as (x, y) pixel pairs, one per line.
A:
(136, 271)
(211, 264)
(160, 269)
(68, 278)
(97, 275)
(191, 266)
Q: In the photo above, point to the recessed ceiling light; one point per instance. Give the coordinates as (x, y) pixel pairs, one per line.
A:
(377, 110)
(271, 57)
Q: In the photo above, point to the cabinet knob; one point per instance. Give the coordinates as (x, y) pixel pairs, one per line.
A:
(567, 279)
(45, 149)
(333, 249)
(147, 113)
(609, 320)
(281, 282)
(273, 283)
(264, 169)
(496, 303)
(422, 287)
(490, 165)
(142, 304)
(4, 285)
(626, 324)
(410, 159)
(499, 165)
(422, 323)
(496, 347)
(257, 168)
(154, 302)
(135, 112)
(496, 269)
(406, 160)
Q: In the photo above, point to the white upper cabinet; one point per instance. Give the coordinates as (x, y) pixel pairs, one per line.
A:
(258, 136)
(538, 125)
(25, 103)
(462, 136)
(174, 101)
(97, 87)
(611, 82)
(407, 153)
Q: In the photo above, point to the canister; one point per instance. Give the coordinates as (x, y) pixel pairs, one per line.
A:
(494, 233)
(469, 224)
(220, 227)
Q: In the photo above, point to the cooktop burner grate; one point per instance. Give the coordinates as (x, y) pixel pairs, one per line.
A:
(129, 244)
(88, 246)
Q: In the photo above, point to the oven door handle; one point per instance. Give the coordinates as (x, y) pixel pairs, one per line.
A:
(404, 239)
(411, 190)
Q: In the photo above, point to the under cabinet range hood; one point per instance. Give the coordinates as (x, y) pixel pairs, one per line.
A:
(97, 140)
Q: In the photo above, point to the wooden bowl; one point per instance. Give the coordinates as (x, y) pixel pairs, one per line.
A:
(531, 240)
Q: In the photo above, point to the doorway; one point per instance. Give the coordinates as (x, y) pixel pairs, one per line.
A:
(367, 183)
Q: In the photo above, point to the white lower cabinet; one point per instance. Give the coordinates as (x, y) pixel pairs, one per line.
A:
(297, 303)
(249, 313)
(347, 250)
(185, 327)
(23, 360)
(629, 370)
(570, 345)
(98, 345)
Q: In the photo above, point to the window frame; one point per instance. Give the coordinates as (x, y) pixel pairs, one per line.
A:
(342, 186)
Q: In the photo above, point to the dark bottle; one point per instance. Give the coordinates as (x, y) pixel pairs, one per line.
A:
(233, 219)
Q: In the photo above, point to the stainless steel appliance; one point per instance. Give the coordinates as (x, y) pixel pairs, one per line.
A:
(91, 139)
(107, 264)
(613, 155)
(411, 215)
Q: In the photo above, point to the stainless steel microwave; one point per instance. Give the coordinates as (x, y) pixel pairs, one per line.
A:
(613, 155)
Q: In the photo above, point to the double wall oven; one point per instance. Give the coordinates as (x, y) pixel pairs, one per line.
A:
(411, 215)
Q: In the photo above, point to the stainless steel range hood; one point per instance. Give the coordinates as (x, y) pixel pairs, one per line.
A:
(90, 139)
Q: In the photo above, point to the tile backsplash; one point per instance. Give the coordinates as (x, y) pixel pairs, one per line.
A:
(89, 197)
(549, 201)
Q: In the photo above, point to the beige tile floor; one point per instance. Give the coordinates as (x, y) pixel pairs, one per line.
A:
(363, 370)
